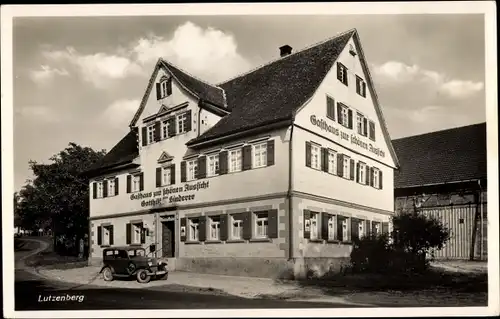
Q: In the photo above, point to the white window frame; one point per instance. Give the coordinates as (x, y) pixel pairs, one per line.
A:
(259, 155)
(376, 177)
(332, 227)
(346, 171)
(181, 122)
(111, 187)
(166, 175)
(235, 160)
(360, 123)
(343, 71)
(361, 85)
(136, 234)
(361, 229)
(213, 165)
(136, 183)
(236, 228)
(261, 225)
(314, 224)
(377, 228)
(214, 227)
(345, 229)
(163, 86)
(150, 134)
(362, 173)
(332, 162)
(192, 169)
(106, 232)
(344, 113)
(194, 229)
(100, 189)
(165, 124)
(315, 156)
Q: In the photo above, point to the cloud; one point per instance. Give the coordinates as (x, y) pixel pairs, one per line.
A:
(119, 113)
(38, 113)
(46, 73)
(395, 73)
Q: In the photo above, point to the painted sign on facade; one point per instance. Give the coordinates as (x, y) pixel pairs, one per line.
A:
(171, 194)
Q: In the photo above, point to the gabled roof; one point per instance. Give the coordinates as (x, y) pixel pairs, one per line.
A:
(452, 155)
(276, 90)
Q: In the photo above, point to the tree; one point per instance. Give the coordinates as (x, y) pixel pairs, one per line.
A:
(57, 198)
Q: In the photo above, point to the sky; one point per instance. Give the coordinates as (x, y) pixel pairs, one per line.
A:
(80, 79)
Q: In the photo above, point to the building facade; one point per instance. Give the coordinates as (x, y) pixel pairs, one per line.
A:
(443, 175)
(273, 171)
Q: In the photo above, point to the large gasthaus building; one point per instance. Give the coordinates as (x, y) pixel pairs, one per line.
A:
(275, 170)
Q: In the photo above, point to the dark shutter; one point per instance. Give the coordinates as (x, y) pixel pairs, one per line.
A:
(385, 228)
(94, 190)
(202, 228)
(351, 170)
(169, 86)
(367, 175)
(223, 163)
(340, 165)
(129, 184)
(157, 131)
(99, 235)
(330, 108)
(358, 86)
(372, 130)
(105, 188)
(357, 172)
(373, 228)
(325, 217)
(270, 152)
(339, 72)
(365, 126)
(158, 91)
(308, 154)
(349, 118)
(368, 229)
(355, 228)
(247, 225)
(158, 177)
(339, 113)
(371, 176)
(117, 183)
(189, 120)
(364, 89)
(171, 127)
(224, 227)
(247, 157)
(128, 230)
(380, 183)
(340, 236)
(141, 181)
(172, 174)
(202, 167)
(307, 217)
(327, 163)
(273, 223)
(183, 171)
(143, 233)
(323, 160)
(183, 224)
(144, 136)
(111, 235)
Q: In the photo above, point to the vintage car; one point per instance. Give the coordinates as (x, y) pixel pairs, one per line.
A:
(131, 261)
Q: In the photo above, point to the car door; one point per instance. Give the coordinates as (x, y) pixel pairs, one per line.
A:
(121, 261)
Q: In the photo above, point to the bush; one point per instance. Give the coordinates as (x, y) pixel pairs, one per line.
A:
(371, 254)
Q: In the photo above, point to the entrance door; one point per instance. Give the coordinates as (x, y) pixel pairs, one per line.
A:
(168, 239)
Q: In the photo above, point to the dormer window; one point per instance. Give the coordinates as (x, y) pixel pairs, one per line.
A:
(164, 88)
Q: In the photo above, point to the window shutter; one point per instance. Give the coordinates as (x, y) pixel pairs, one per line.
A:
(385, 228)
(129, 184)
(224, 227)
(223, 163)
(307, 218)
(364, 88)
(358, 85)
(324, 225)
(367, 175)
(171, 126)
(143, 233)
(141, 181)
(247, 225)
(372, 130)
(189, 120)
(340, 236)
(144, 136)
(158, 91)
(371, 176)
(340, 165)
(202, 167)
(157, 135)
(308, 154)
(128, 228)
(99, 235)
(117, 183)
(354, 229)
(380, 183)
(183, 171)
(357, 172)
(367, 227)
(373, 228)
(94, 190)
(349, 118)
(330, 108)
(158, 177)
(365, 126)
(339, 113)
(105, 188)
(323, 160)
(351, 170)
(111, 235)
(169, 86)
(202, 228)
(273, 223)
(270, 152)
(339, 72)
(247, 157)
(172, 174)
(183, 224)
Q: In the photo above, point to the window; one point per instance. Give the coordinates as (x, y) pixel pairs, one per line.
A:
(315, 159)
(342, 73)
(360, 86)
(361, 173)
(164, 128)
(332, 162)
(182, 122)
(330, 108)
(136, 183)
(314, 225)
(377, 228)
(259, 155)
(236, 228)
(136, 233)
(192, 170)
(215, 228)
(376, 177)
(106, 235)
(235, 160)
(346, 168)
(151, 134)
(331, 227)
(194, 231)
(261, 221)
(344, 115)
(166, 175)
(166, 89)
(345, 234)
(361, 229)
(111, 187)
(100, 189)
(213, 165)
(361, 124)
(372, 130)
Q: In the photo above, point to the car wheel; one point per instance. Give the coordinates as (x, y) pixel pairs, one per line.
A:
(142, 276)
(107, 274)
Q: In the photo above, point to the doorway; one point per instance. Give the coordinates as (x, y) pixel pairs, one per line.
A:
(168, 239)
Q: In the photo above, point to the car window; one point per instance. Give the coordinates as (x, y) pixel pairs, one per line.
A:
(140, 252)
(108, 253)
(122, 254)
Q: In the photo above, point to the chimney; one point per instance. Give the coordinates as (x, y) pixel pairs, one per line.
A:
(285, 50)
